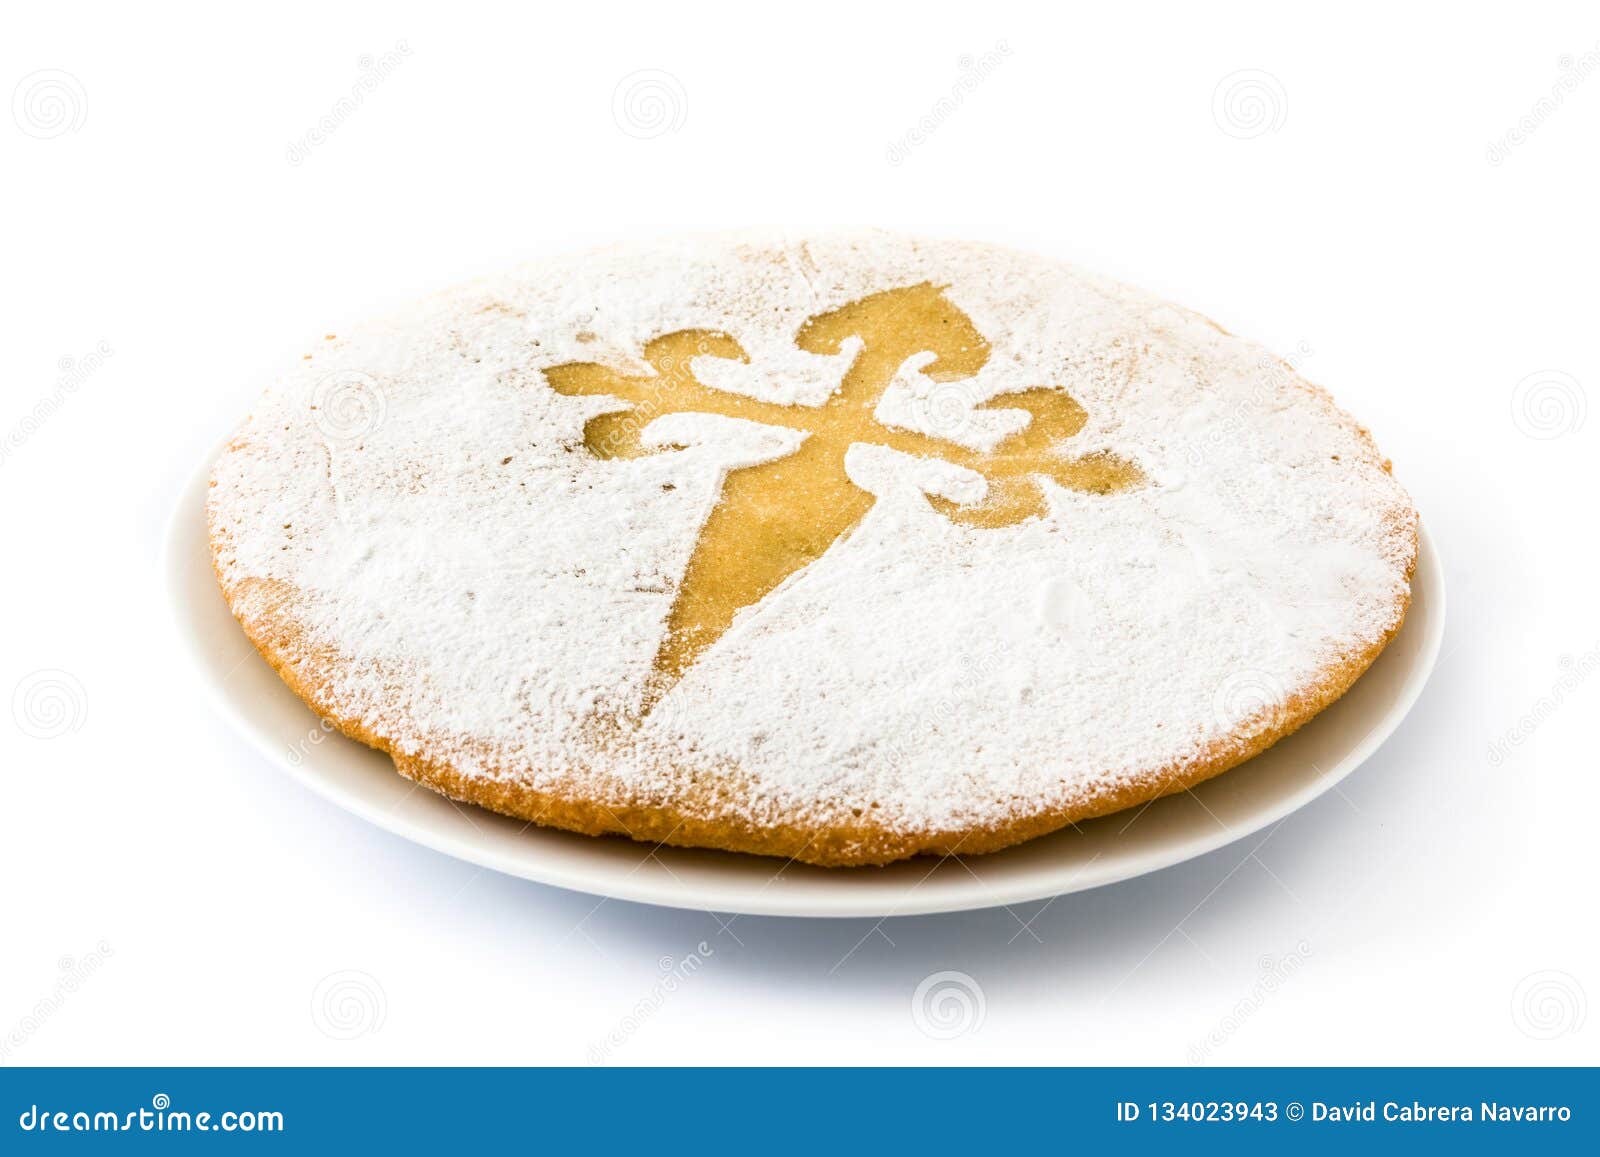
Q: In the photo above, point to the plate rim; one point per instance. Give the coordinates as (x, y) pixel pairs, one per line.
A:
(854, 901)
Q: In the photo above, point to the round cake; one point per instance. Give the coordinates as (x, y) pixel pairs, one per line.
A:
(840, 547)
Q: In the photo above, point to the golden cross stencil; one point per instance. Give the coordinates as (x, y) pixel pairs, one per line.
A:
(776, 517)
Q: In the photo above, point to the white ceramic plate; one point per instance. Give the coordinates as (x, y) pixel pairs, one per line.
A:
(1102, 851)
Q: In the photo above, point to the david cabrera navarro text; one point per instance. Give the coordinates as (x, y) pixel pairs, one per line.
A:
(1416, 1111)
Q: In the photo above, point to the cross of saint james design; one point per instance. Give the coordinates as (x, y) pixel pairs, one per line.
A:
(775, 517)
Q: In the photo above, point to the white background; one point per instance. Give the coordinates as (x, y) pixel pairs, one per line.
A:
(1440, 909)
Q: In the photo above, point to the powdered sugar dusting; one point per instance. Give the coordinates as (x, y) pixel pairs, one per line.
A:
(471, 587)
